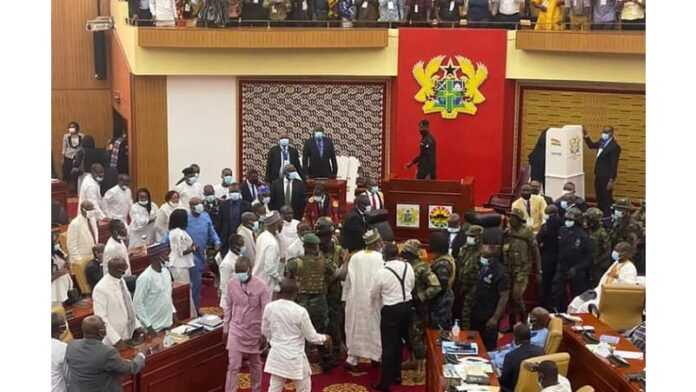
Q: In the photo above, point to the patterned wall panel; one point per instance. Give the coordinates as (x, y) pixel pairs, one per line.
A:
(352, 114)
(624, 111)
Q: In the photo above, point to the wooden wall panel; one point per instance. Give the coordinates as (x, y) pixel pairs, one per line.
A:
(543, 108)
(620, 42)
(149, 158)
(90, 108)
(121, 81)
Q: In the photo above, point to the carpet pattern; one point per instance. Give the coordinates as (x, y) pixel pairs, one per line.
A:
(352, 115)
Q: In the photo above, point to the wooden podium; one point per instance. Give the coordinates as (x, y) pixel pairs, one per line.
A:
(335, 188)
(411, 198)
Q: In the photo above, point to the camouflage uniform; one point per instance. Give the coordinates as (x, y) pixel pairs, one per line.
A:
(333, 300)
(625, 228)
(519, 251)
(467, 276)
(599, 244)
(441, 306)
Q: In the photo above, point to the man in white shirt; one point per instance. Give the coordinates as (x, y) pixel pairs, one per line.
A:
(509, 12)
(58, 366)
(112, 302)
(549, 379)
(90, 190)
(296, 247)
(222, 189)
(152, 301)
(269, 267)
(362, 321)
(286, 325)
(227, 266)
(391, 291)
(248, 230)
(83, 233)
(116, 245)
(189, 188)
(118, 200)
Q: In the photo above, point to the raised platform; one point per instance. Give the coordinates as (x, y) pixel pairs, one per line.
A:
(614, 42)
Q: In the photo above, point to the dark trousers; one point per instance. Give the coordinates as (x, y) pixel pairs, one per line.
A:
(638, 24)
(394, 330)
(604, 197)
(145, 18)
(562, 282)
(509, 22)
(549, 261)
(488, 335)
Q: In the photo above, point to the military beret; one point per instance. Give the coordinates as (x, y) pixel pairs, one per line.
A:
(573, 213)
(518, 213)
(474, 230)
(412, 246)
(594, 213)
(310, 238)
(623, 204)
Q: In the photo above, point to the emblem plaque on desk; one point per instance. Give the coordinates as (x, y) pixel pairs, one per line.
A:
(408, 215)
(438, 215)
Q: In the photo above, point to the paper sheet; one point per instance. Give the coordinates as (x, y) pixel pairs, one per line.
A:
(629, 354)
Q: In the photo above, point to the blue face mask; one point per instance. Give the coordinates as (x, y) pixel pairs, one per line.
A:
(484, 261)
(318, 135)
(605, 136)
(235, 196)
(210, 198)
(242, 276)
(228, 180)
(283, 142)
(615, 255)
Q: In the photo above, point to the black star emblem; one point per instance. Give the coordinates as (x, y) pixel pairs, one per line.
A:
(450, 69)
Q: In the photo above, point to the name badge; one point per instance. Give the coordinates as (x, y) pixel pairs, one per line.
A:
(451, 6)
(415, 9)
(304, 6)
(390, 5)
(364, 4)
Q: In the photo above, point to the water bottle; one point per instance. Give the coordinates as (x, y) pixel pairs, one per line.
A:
(455, 330)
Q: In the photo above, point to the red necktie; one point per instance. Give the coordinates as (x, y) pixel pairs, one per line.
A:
(374, 201)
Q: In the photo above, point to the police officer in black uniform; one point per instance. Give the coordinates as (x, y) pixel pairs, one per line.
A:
(426, 157)
(574, 260)
(490, 295)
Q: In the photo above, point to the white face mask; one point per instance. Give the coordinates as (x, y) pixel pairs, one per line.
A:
(453, 230)
(98, 178)
(266, 200)
(228, 180)
(242, 250)
(199, 208)
(210, 198)
(567, 192)
(605, 136)
(484, 261)
(368, 208)
(255, 226)
(618, 214)
(470, 241)
(318, 135)
(284, 142)
(374, 189)
(546, 217)
(173, 204)
(293, 176)
(615, 255)
(72, 130)
(142, 202)
(235, 196)
(564, 204)
(91, 214)
(569, 223)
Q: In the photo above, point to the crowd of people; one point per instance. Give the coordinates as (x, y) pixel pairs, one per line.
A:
(291, 270)
(545, 14)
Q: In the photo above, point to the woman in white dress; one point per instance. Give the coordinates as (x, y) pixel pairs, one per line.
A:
(181, 248)
(162, 216)
(142, 216)
(621, 271)
(61, 282)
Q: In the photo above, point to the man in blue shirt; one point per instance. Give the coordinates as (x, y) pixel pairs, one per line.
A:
(200, 228)
(539, 323)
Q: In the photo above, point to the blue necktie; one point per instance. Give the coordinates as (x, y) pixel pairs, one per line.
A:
(320, 145)
(285, 154)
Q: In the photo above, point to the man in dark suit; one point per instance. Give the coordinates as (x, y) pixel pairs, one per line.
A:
(279, 156)
(289, 190)
(537, 159)
(319, 156)
(606, 167)
(456, 234)
(426, 157)
(94, 366)
(355, 225)
(231, 216)
(249, 187)
(513, 360)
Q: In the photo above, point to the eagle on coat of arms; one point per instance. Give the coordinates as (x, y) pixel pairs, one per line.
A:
(450, 89)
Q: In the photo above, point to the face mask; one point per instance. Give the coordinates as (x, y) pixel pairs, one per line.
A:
(122, 237)
(567, 192)
(319, 199)
(453, 230)
(546, 217)
(484, 261)
(123, 187)
(91, 214)
(569, 223)
(198, 208)
(618, 214)
(605, 136)
(191, 180)
(172, 204)
(318, 135)
(242, 276)
(470, 241)
(99, 178)
(266, 200)
(615, 255)
(56, 246)
(293, 176)
(235, 196)
(228, 180)
(368, 208)
(242, 250)
(142, 202)
(374, 189)
(564, 204)
(283, 142)
(210, 198)
(255, 226)
(72, 130)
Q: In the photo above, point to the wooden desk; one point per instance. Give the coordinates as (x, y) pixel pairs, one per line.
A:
(588, 369)
(335, 188)
(434, 380)
(77, 313)
(138, 263)
(199, 364)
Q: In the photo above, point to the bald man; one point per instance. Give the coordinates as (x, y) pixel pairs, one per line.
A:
(95, 366)
(538, 323)
(83, 233)
(248, 230)
(549, 379)
(119, 199)
(456, 233)
(90, 189)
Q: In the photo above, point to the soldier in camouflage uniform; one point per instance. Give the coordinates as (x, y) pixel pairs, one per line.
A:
(520, 250)
(332, 251)
(444, 268)
(639, 257)
(623, 226)
(467, 266)
(311, 272)
(599, 243)
(426, 287)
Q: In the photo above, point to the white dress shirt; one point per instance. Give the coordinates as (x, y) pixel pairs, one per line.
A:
(112, 249)
(80, 239)
(267, 266)
(387, 289)
(142, 227)
(179, 242)
(188, 192)
(562, 386)
(90, 190)
(509, 7)
(249, 242)
(117, 203)
(110, 305)
(162, 220)
(286, 325)
(153, 299)
(59, 369)
(221, 192)
(226, 273)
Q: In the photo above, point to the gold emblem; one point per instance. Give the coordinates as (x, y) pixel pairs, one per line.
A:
(574, 145)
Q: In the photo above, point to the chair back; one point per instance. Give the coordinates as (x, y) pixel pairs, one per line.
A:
(586, 388)
(621, 305)
(527, 380)
(67, 336)
(553, 340)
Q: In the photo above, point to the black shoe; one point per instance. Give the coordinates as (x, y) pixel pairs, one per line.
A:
(379, 387)
(397, 381)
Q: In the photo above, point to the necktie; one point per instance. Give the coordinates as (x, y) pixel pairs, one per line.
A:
(320, 146)
(288, 192)
(129, 309)
(285, 154)
(253, 191)
(529, 210)
(374, 201)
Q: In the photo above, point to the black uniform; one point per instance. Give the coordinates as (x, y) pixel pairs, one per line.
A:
(537, 160)
(547, 238)
(574, 262)
(441, 304)
(426, 158)
(492, 281)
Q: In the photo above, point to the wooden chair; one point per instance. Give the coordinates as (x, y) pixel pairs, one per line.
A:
(621, 305)
(67, 336)
(527, 380)
(586, 388)
(553, 341)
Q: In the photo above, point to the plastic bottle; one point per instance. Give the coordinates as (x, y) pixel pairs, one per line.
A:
(455, 330)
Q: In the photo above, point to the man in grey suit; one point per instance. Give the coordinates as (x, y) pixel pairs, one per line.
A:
(95, 366)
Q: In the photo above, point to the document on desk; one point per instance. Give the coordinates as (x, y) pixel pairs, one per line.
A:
(477, 388)
(629, 354)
